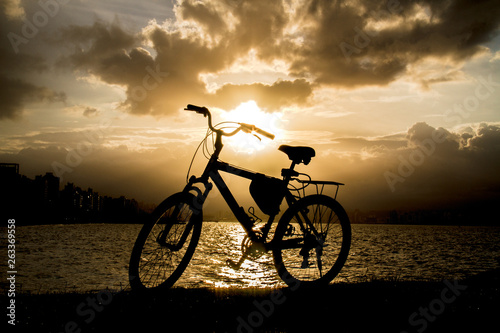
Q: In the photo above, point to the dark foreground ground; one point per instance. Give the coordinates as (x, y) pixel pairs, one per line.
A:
(470, 305)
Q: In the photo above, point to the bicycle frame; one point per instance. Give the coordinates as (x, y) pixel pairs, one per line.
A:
(212, 172)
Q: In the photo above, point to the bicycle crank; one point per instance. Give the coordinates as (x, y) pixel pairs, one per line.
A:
(249, 249)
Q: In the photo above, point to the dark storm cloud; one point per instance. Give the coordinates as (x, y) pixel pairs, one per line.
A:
(164, 83)
(345, 47)
(445, 169)
(274, 97)
(428, 168)
(335, 43)
(17, 66)
(486, 140)
(323, 43)
(15, 93)
(205, 15)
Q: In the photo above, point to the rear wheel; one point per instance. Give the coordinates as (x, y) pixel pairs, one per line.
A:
(166, 243)
(312, 241)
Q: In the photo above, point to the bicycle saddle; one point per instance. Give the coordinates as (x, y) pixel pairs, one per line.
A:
(298, 154)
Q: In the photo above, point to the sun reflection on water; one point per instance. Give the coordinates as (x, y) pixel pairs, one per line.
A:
(252, 273)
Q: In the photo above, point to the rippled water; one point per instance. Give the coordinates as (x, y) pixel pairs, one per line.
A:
(93, 257)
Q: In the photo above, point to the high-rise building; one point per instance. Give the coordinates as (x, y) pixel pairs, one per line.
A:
(48, 189)
(9, 172)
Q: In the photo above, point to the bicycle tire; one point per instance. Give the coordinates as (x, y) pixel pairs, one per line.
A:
(155, 263)
(292, 252)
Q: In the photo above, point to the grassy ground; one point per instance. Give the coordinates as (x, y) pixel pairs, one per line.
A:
(471, 305)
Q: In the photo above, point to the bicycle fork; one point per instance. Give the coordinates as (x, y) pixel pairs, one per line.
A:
(195, 209)
(161, 239)
(173, 221)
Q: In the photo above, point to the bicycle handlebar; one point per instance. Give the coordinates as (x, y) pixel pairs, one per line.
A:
(248, 128)
(252, 128)
(198, 109)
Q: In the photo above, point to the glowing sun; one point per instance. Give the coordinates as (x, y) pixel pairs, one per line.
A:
(250, 113)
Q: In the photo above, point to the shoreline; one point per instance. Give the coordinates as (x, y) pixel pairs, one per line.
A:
(470, 304)
(471, 224)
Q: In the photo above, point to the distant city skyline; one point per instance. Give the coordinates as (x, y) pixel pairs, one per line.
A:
(69, 203)
(42, 201)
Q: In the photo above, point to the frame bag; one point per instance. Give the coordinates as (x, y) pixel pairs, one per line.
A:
(268, 193)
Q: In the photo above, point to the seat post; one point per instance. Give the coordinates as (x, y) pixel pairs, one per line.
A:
(289, 173)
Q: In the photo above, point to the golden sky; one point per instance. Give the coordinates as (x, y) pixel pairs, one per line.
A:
(400, 99)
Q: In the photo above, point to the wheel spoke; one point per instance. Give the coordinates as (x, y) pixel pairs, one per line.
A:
(160, 262)
(326, 230)
(318, 260)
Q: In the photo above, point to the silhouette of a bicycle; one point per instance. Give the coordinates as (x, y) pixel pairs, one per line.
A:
(310, 243)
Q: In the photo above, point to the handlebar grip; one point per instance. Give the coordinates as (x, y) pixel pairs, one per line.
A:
(264, 133)
(198, 109)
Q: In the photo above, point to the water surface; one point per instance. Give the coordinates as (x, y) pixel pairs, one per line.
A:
(90, 257)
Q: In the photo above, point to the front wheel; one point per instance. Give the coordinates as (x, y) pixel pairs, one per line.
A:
(312, 241)
(166, 243)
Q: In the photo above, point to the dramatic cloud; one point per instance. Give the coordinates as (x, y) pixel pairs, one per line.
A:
(428, 168)
(321, 43)
(16, 90)
(274, 97)
(162, 84)
(15, 93)
(374, 42)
